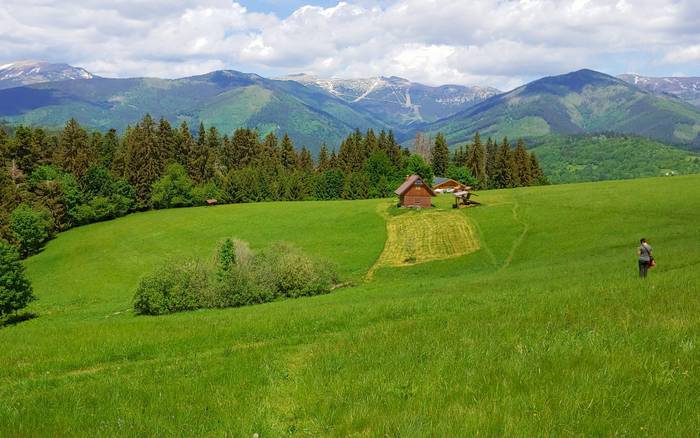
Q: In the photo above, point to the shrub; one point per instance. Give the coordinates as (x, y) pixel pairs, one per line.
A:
(15, 289)
(173, 287)
(292, 273)
(242, 278)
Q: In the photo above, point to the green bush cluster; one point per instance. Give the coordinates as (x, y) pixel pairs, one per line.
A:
(236, 277)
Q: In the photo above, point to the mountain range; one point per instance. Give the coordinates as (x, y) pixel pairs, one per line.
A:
(316, 110)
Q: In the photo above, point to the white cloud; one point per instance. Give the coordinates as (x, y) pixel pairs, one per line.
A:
(487, 42)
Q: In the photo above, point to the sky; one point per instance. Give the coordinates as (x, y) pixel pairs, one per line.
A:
(499, 43)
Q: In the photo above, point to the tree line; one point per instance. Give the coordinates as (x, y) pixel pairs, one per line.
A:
(53, 181)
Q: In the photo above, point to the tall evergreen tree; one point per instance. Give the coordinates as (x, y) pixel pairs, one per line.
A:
(166, 142)
(323, 159)
(75, 152)
(523, 164)
(144, 165)
(289, 155)
(491, 153)
(202, 159)
(305, 161)
(108, 147)
(440, 156)
(504, 172)
(537, 174)
(476, 160)
(183, 145)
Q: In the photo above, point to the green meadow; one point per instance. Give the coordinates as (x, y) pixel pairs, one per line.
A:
(544, 330)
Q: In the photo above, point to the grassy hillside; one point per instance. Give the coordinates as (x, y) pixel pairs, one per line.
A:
(544, 329)
(580, 102)
(581, 158)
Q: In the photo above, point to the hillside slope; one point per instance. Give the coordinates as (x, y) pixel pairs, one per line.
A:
(580, 102)
(226, 99)
(545, 330)
(600, 157)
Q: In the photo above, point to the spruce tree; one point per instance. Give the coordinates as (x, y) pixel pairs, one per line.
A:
(440, 156)
(75, 153)
(504, 167)
(537, 174)
(491, 153)
(166, 142)
(476, 161)
(305, 161)
(144, 165)
(289, 155)
(394, 151)
(201, 161)
(108, 147)
(183, 145)
(323, 159)
(523, 164)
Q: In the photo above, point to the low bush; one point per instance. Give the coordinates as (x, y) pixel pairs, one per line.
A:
(173, 287)
(236, 277)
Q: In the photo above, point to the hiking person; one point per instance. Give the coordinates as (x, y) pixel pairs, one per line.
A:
(646, 257)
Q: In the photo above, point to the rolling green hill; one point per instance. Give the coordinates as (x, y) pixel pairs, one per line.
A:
(541, 329)
(599, 157)
(226, 99)
(580, 102)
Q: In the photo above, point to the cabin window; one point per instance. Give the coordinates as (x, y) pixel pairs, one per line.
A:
(419, 183)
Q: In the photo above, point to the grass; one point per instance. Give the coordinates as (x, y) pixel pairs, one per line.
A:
(545, 330)
(424, 236)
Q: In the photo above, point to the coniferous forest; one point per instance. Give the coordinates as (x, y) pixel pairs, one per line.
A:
(54, 181)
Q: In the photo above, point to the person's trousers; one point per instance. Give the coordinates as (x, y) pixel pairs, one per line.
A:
(643, 269)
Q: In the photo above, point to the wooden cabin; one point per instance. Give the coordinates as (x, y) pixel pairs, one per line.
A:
(446, 185)
(414, 192)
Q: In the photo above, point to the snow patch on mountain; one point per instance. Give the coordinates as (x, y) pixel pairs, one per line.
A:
(20, 73)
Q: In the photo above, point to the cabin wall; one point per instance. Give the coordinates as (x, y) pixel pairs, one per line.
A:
(416, 196)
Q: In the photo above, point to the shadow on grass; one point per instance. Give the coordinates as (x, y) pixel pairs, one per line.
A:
(17, 318)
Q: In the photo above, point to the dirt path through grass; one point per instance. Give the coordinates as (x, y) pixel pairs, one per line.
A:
(422, 236)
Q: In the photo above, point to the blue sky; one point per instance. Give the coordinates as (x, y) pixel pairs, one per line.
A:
(500, 43)
(282, 8)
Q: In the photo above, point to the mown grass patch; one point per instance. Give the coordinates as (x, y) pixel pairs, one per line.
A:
(423, 236)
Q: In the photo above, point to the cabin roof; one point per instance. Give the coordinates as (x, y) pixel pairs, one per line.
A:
(403, 188)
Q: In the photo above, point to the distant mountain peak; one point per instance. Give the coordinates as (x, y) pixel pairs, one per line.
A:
(684, 88)
(28, 72)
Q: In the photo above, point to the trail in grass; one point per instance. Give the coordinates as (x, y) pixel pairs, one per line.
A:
(520, 238)
(422, 236)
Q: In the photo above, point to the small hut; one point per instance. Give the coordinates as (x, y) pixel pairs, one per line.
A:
(446, 185)
(414, 192)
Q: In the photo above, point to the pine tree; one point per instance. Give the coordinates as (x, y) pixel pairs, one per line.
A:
(333, 161)
(505, 167)
(269, 156)
(166, 142)
(183, 145)
(289, 155)
(538, 177)
(143, 163)
(202, 159)
(491, 153)
(440, 156)
(476, 161)
(75, 153)
(323, 159)
(394, 151)
(371, 143)
(305, 161)
(108, 148)
(523, 164)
